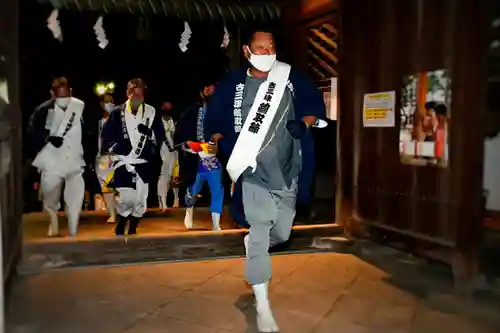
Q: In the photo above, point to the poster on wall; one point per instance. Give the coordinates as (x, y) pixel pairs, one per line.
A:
(423, 136)
(378, 109)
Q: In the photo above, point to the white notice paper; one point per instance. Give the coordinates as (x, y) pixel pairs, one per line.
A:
(379, 109)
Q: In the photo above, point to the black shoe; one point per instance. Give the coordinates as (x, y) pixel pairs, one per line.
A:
(132, 226)
(120, 226)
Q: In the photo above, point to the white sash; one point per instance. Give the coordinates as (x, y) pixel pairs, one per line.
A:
(145, 115)
(47, 159)
(258, 121)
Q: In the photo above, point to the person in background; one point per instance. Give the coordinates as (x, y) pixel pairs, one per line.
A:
(104, 162)
(196, 166)
(133, 134)
(63, 144)
(169, 156)
(258, 116)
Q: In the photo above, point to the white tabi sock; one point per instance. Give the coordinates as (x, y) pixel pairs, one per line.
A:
(245, 242)
(216, 222)
(73, 224)
(54, 223)
(176, 197)
(188, 219)
(109, 200)
(265, 318)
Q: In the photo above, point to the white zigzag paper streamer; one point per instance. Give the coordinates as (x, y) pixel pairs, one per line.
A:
(53, 25)
(100, 33)
(225, 39)
(186, 34)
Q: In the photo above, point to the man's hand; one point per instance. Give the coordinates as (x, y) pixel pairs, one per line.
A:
(211, 148)
(143, 129)
(56, 141)
(296, 128)
(216, 137)
(194, 146)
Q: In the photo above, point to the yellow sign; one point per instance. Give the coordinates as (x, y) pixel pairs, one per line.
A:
(378, 109)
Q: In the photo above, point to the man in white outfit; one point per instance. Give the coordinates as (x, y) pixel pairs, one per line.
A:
(168, 156)
(104, 163)
(58, 131)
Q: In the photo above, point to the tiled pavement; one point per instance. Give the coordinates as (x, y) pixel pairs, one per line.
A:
(320, 293)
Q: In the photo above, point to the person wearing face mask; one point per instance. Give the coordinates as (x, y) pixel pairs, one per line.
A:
(62, 141)
(197, 166)
(133, 136)
(259, 117)
(169, 157)
(104, 162)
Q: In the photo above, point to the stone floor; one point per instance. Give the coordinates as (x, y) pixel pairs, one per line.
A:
(385, 291)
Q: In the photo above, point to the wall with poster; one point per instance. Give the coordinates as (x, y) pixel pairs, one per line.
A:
(422, 51)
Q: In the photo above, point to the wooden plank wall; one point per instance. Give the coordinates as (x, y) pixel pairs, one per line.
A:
(382, 42)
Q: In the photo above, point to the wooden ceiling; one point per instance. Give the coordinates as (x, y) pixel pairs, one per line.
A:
(213, 10)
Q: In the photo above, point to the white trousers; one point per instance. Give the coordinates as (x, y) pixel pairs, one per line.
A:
(74, 191)
(130, 201)
(165, 178)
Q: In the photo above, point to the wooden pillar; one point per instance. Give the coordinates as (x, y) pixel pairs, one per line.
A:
(11, 199)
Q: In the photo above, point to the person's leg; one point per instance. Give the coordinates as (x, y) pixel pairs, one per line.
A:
(74, 192)
(285, 200)
(214, 179)
(51, 187)
(175, 190)
(163, 186)
(261, 213)
(109, 201)
(125, 204)
(191, 194)
(142, 190)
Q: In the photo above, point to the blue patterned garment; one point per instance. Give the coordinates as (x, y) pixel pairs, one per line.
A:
(207, 163)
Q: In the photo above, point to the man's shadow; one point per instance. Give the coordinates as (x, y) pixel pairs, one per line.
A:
(245, 303)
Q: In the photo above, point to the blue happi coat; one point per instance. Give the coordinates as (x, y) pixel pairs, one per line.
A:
(114, 141)
(220, 118)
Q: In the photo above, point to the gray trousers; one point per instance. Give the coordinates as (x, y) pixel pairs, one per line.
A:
(270, 214)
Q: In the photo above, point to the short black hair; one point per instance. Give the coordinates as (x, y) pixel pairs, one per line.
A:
(207, 83)
(430, 105)
(60, 82)
(135, 83)
(103, 96)
(441, 110)
(251, 33)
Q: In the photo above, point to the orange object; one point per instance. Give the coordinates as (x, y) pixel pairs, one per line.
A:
(195, 146)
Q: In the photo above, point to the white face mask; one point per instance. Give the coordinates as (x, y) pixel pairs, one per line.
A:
(109, 107)
(262, 62)
(62, 102)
